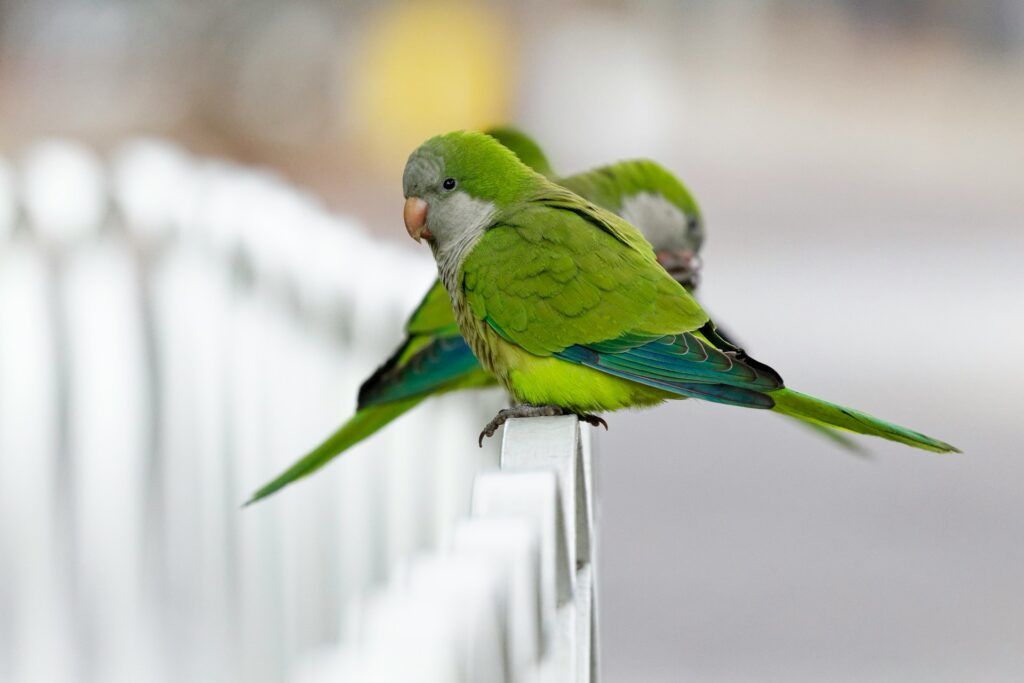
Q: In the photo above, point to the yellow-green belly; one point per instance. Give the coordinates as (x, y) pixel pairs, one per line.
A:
(550, 381)
(545, 380)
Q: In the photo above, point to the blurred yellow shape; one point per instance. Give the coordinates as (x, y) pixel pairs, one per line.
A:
(427, 68)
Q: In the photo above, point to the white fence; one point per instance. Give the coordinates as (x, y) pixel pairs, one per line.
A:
(173, 332)
(512, 597)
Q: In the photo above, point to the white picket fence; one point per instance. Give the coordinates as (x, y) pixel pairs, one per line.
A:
(173, 332)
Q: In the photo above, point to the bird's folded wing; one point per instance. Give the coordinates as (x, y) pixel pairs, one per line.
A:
(434, 314)
(441, 364)
(556, 277)
(680, 358)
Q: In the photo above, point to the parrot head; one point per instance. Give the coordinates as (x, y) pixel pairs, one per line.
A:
(455, 183)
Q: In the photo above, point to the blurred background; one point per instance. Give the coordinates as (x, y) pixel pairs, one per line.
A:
(859, 164)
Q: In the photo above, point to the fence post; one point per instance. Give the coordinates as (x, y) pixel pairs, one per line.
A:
(554, 443)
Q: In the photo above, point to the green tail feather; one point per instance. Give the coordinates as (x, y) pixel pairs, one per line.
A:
(838, 437)
(817, 411)
(364, 423)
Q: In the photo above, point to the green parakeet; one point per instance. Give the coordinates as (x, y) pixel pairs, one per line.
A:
(565, 303)
(434, 358)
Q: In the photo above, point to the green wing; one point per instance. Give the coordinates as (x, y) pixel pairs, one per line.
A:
(562, 272)
(434, 314)
(442, 363)
(433, 355)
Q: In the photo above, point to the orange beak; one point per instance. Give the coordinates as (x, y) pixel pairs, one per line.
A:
(415, 215)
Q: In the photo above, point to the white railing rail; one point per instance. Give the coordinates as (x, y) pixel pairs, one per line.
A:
(173, 332)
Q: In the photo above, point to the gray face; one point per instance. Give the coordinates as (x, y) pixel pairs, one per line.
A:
(423, 176)
(455, 219)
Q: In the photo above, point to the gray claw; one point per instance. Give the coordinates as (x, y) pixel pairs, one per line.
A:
(531, 411)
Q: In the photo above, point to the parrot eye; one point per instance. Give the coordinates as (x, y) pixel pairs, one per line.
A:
(448, 184)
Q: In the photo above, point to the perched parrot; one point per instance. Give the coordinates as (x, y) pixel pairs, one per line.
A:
(434, 358)
(565, 304)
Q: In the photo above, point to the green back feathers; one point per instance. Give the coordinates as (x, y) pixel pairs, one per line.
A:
(558, 198)
(524, 147)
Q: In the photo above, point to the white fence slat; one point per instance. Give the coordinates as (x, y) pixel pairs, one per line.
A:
(534, 497)
(35, 591)
(109, 423)
(64, 189)
(587, 577)
(256, 557)
(150, 178)
(189, 300)
(8, 200)
(550, 443)
(555, 444)
(310, 566)
(329, 666)
(511, 545)
(474, 594)
(586, 625)
(409, 637)
(456, 420)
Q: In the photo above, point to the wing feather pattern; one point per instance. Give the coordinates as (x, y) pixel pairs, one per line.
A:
(566, 279)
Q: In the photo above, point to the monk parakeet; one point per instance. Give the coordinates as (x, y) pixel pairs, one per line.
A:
(565, 303)
(435, 359)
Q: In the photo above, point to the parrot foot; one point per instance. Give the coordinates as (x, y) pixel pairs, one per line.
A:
(682, 264)
(593, 420)
(533, 411)
(517, 411)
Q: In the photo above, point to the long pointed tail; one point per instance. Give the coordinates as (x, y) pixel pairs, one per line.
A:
(838, 437)
(364, 423)
(817, 411)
